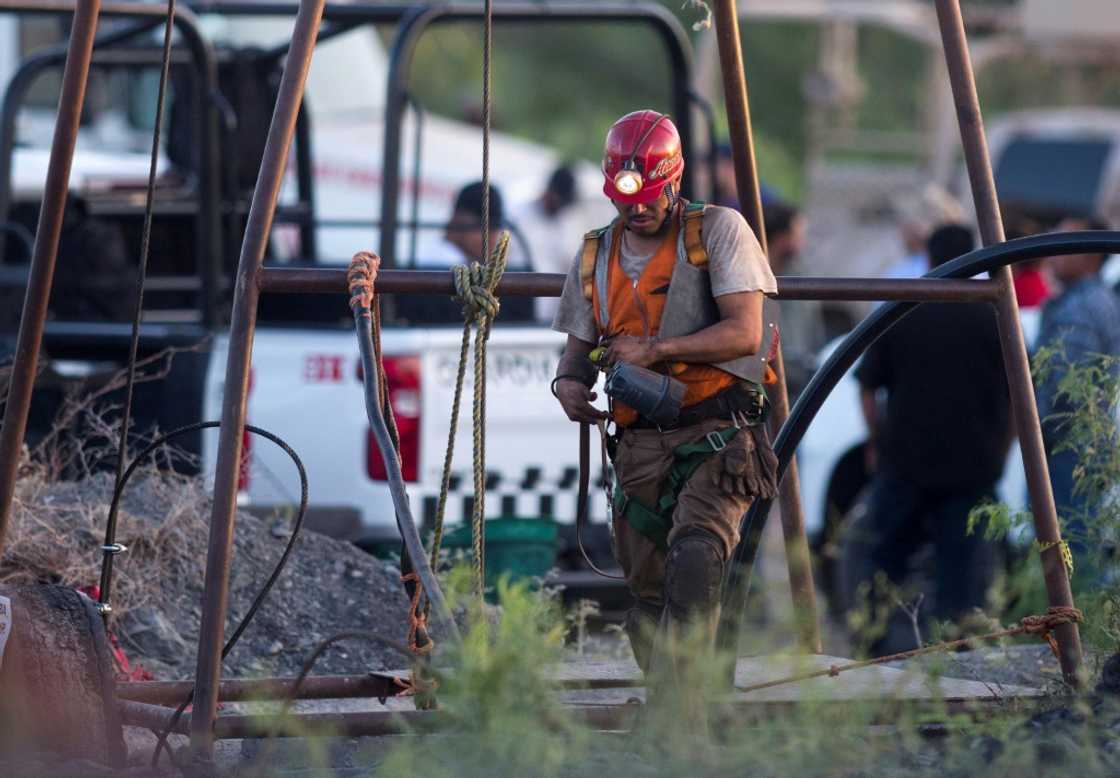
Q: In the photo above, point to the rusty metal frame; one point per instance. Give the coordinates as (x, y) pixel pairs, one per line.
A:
(949, 282)
(798, 560)
(47, 234)
(1023, 404)
(607, 717)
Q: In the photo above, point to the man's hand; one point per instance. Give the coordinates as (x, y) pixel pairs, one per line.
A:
(641, 352)
(576, 399)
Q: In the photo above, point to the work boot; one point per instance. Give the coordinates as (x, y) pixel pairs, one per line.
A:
(641, 627)
(693, 581)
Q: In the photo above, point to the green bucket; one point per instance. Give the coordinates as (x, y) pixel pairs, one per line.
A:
(521, 548)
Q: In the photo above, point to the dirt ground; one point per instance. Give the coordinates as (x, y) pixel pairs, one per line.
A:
(328, 585)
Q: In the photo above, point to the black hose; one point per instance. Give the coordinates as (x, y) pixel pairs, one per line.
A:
(405, 523)
(737, 581)
(297, 525)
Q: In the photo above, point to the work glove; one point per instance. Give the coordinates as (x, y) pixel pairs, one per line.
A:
(747, 466)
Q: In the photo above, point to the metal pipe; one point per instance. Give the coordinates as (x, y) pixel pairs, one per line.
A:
(439, 282)
(750, 203)
(612, 717)
(156, 718)
(305, 184)
(325, 687)
(51, 212)
(1016, 362)
(216, 591)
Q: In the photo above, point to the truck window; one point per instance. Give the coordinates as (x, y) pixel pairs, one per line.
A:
(1062, 176)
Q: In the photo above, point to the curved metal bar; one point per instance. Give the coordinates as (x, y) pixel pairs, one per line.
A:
(414, 23)
(737, 583)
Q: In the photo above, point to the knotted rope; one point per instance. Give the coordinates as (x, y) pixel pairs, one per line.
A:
(420, 583)
(1028, 625)
(475, 289)
(359, 280)
(1063, 550)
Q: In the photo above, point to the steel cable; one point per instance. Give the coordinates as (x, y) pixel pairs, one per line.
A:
(110, 548)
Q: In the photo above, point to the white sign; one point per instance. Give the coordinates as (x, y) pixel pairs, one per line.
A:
(1063, 19)
(5, 625)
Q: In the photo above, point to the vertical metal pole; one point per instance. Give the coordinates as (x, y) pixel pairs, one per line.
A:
(750, 203)
(216, 592)
(51, 212)
(1014, 349)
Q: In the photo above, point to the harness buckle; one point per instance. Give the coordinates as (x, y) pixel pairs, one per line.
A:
(716, 441)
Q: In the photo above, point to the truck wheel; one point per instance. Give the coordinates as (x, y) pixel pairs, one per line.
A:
(57, 686)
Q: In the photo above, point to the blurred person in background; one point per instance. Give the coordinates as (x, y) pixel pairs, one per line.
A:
(918, 213)
(543, 224)
(724, 189)
(1083, 323)
(1032, 281)
(801, 322)
(939, 448)
(462, 244)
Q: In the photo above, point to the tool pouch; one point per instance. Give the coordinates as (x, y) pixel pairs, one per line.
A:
(748, 467)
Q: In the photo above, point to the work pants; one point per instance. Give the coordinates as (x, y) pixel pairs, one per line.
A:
(903, 518)
(642, 463)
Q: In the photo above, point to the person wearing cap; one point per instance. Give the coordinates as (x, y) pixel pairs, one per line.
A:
(676, 287)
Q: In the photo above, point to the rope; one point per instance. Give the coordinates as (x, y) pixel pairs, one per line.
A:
(1064, 550)
(109, 548)
(474, 288)
(1028, 625)
(361, 277)
(419, 582)
(417, 617)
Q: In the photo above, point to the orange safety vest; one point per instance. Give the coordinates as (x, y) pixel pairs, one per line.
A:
(634, 308)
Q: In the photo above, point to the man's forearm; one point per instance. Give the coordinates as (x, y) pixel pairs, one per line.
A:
(575, 361)
(726, 340)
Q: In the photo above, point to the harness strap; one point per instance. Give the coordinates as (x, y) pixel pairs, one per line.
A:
(693, 240)
(587, 259)
(655, 522)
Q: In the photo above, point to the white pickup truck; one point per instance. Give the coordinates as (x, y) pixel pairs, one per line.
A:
(306, 388)
(305, 381)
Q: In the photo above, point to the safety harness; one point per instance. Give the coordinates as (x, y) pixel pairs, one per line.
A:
(655, 521)
(693, 220)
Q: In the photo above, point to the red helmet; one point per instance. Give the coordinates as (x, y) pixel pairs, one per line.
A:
(642, 154)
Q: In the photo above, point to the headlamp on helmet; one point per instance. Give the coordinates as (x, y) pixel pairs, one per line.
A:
(628, 181)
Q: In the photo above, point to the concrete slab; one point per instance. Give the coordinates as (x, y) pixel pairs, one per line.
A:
(619, 681)
(877, 683)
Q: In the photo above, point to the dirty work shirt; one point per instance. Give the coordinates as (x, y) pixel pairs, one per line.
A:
(735, 264)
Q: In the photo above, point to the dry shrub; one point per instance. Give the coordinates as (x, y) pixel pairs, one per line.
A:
(58, 525)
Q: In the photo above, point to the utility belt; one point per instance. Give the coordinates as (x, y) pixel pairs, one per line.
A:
(746, 400)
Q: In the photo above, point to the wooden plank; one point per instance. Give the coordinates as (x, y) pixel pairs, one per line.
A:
(868, 683)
